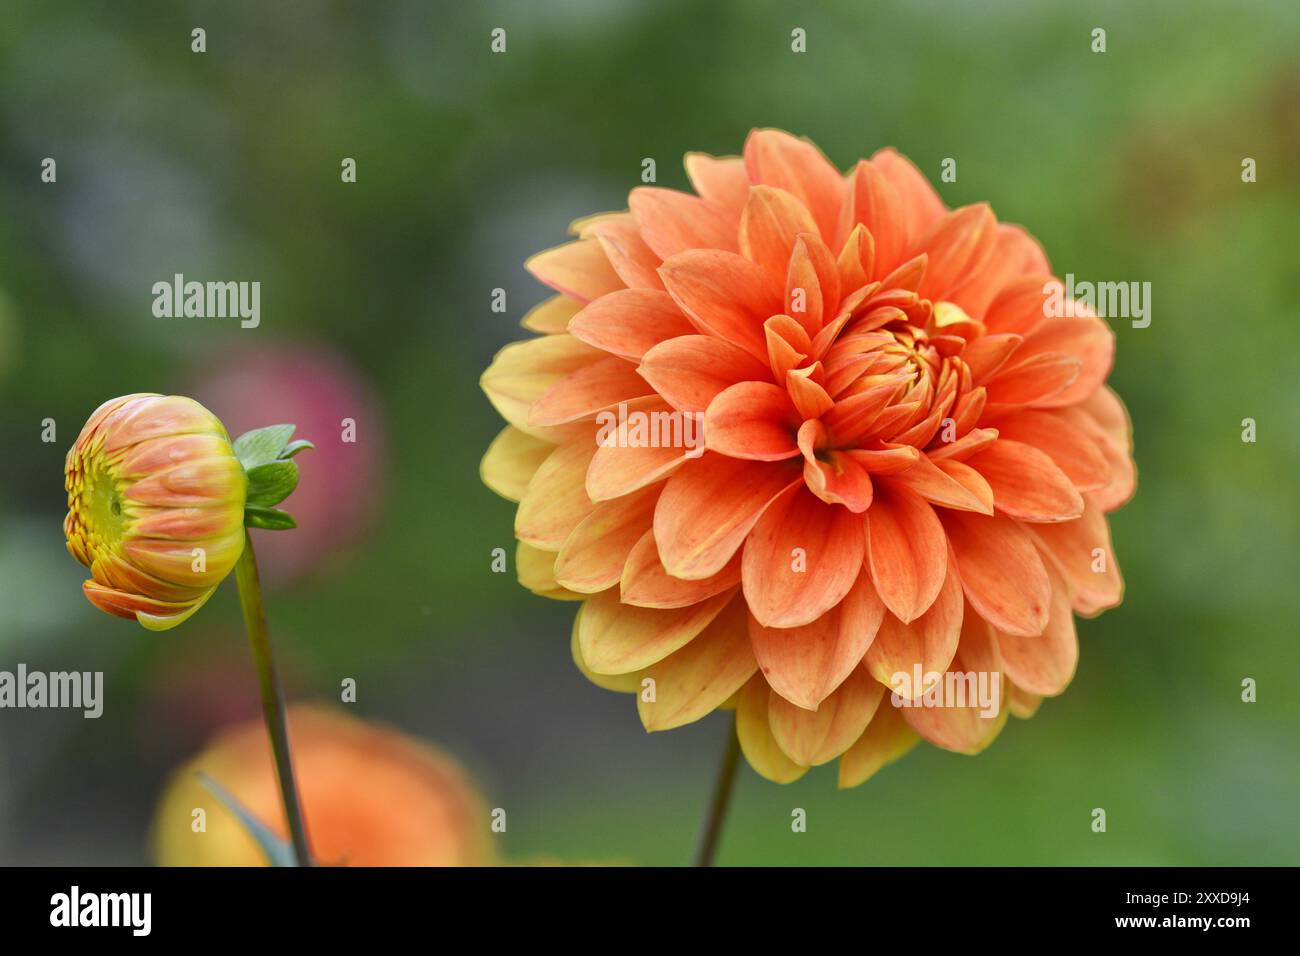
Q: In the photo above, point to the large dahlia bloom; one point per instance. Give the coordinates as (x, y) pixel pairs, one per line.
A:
(907, 459)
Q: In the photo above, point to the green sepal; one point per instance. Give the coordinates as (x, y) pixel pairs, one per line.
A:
(271, 483)
(278, 852)
(262, 445)
(270, 519)
(272, 477)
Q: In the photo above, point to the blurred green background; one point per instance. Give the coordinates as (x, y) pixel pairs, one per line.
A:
(376, 306)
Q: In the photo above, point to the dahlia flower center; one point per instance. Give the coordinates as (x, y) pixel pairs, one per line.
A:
(98, 511)
(893, 374)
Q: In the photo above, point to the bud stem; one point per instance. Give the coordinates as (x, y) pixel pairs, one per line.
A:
(722, 790)
(259, 637)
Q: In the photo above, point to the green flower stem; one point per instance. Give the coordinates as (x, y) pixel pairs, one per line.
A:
(723, 787)
(259, 636)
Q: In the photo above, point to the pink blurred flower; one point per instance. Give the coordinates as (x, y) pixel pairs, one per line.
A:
(318, 390)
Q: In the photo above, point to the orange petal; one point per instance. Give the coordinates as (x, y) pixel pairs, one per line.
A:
(961, 725)
(709, 507)
(809, 397)
(852, 417)
(806, 664)
(922, 206)
(511, 461)
(769, 227)
(887, 460)
(601, 385)
(788, 345)
(755, 733)
(989, 353)
(857, 260)
(753, 420)
(1022, 304)
(578, 269)
(721, 180)
(628, 254)
(1072, 449)
(1082, 552)
(1088, 339)
(672, 222)
(635, 452)
(693, 681)
(1001, 572)
(723, 295)
(975, 440)
(690, 371)
(908, 275)
(815, 737)
(645, 583)
(150, 614)
(1022, 704)
(872, 200)
(907, 551)
(1033, 380)
(155, 455)
(1015, 253)
(887, 738)
(551, 316)
(124, 421)
(629, 683)
(523, 372)
(535, 569)
(835, 477)
(1105, 406)
(556, 501)
(812, 283)
(197, 483)
(616, 638)
(1043, 665)
(927, 643)
(1103, 415)
(939, 483)
(594, 553)
(801, 559)
(630, 322)
(1026, 483)
(776, 158)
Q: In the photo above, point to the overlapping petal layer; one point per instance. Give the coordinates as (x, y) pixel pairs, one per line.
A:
(905, 465)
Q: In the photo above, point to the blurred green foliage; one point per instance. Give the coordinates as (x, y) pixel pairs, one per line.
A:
(1126, 165)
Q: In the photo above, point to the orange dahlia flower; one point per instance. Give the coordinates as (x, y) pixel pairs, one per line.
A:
(372, 797)
(906, 465)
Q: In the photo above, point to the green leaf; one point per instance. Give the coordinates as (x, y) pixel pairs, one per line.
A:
(262, 445)
(294, 447)
(278, 852)
(271, 483)
(272, 519)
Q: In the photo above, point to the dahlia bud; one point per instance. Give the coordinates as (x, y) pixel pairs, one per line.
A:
(158, 497)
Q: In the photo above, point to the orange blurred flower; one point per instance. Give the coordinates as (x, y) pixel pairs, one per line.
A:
(371, 797)
(155, 507)
(906, 462)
